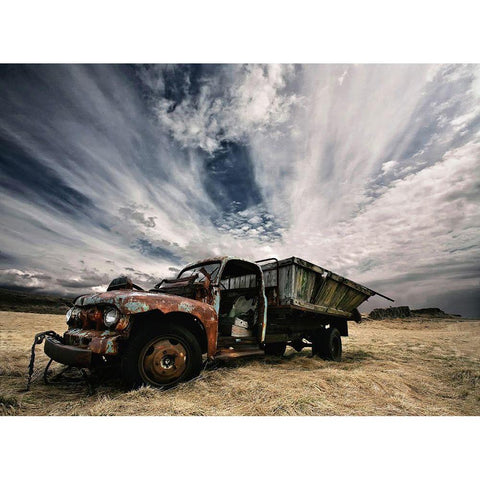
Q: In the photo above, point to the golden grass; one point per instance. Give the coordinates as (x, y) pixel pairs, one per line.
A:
(389, 368)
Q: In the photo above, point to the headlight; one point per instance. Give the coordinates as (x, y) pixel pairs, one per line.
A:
(110, 317)
(72, 315)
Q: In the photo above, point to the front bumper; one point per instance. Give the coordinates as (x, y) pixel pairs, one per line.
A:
(67, 354)
(79, 346)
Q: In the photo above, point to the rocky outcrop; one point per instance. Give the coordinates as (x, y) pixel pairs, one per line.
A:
(405, 312)
(392, 312)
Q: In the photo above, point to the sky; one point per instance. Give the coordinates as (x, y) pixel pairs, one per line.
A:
(372, 171)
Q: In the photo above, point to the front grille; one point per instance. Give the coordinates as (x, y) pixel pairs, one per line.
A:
(77, 339)
(87, 318)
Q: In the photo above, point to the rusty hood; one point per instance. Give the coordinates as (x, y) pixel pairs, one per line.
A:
(130, 302)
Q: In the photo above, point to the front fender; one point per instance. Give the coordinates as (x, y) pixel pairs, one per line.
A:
(131, 302)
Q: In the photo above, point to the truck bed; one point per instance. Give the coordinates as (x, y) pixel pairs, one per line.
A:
(293, 283)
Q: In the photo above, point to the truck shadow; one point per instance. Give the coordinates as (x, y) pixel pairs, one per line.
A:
(293, 360)
(108, 380)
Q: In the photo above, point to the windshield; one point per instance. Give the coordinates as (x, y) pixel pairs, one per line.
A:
(211, 268)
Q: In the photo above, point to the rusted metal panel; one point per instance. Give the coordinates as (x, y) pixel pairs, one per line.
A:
(130, 303)
(102, 342)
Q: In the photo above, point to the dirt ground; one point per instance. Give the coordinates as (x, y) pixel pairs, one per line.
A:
(395, 367)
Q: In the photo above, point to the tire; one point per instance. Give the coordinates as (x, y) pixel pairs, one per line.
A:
(276, 349)
(330, 345)
(161, 355)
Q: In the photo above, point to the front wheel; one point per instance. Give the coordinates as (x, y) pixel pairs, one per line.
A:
(161, 356)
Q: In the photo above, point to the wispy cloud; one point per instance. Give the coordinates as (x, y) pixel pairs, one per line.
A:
(371, 170)
(226, 104)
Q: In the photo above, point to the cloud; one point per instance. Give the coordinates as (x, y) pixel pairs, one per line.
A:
(146, 247)
(254, 223)
(388, 166)
(369, 170)
(24, 279)
(229, 105)
(411, 230)
(132, 212)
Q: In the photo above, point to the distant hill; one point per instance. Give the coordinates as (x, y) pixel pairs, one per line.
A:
(17, 301)
(405, 312)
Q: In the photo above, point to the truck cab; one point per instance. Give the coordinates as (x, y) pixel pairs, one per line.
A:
(215, 308)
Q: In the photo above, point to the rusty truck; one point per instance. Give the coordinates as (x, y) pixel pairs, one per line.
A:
(218, 308)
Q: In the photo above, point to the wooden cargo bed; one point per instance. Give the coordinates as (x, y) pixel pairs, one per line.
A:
(296, 284)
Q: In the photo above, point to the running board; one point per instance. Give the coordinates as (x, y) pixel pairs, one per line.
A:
(225, 353)
(229, 341)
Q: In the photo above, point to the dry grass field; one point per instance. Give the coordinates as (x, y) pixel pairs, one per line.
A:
(395, 367)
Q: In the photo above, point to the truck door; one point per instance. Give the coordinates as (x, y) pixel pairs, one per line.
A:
(242, 311)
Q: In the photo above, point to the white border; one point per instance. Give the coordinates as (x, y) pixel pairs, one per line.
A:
(253, 31)
(234, 447)
(249, 31)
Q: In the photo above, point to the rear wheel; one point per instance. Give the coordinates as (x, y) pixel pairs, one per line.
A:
(276, 349)
(161, 356)
(327, 344)
(331, 345)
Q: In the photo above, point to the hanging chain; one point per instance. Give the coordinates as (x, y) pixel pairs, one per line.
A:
(39, 337)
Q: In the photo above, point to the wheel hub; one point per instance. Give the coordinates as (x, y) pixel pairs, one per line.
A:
(163, 360)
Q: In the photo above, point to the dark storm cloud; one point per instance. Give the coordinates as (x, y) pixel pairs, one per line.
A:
(465, 302)
(5, 258)
(142, 278)
(75, 284)
(455, 271)
(154, 250)
(27, 176)
(13, 278)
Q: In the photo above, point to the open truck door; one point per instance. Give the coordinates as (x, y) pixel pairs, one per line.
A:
(243, 305)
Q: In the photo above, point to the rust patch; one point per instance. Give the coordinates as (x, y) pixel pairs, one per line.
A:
(100, 342)
(123, 323)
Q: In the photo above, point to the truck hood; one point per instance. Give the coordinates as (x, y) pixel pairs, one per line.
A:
(130, 302)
